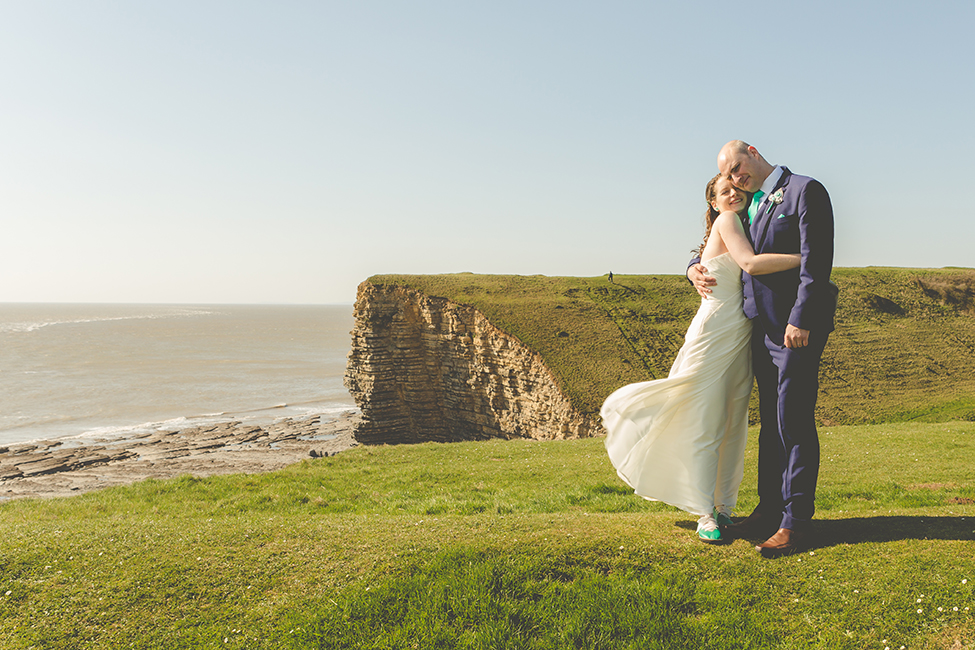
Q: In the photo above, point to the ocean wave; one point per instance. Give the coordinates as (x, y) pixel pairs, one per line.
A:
(126, 429)
(266, 415)
(331, 410)
(33, 326)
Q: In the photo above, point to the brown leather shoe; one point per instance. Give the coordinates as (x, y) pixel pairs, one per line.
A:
(755, 526)
(783, 542)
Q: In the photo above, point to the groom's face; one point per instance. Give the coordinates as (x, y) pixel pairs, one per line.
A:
(742, 168)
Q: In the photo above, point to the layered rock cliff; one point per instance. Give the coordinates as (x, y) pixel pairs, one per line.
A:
(423, 368)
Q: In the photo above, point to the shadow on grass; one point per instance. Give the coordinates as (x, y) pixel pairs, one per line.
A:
(862, 530)
(859, 530)
(628, 288)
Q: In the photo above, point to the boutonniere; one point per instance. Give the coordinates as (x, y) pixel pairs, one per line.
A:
(775, 199)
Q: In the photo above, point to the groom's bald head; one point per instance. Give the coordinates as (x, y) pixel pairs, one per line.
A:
(742, 163)
(736, 146)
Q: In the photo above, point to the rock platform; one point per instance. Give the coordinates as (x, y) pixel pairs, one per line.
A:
(52, 468)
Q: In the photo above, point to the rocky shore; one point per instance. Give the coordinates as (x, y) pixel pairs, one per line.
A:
(67, 467)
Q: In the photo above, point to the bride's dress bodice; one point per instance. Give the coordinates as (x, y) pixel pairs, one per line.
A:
(727, 273)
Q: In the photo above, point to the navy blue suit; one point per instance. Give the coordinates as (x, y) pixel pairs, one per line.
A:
(788, 380)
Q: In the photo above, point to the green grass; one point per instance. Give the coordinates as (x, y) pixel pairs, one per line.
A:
(903, 349)
(496, 544)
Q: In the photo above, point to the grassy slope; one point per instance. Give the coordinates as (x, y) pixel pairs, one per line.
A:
(496, 544)
(917, 363)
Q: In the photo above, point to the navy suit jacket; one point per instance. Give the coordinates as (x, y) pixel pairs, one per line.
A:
(802, 223)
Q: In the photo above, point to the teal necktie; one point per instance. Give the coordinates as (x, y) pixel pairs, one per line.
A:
(753, 207)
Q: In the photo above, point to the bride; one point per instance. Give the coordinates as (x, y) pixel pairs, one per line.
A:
(681, 440)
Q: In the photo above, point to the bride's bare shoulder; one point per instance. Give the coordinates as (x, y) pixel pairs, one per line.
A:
(728, 216)
(728, 221)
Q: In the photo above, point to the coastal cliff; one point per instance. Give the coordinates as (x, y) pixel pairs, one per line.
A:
(424, 368)
(536, 356)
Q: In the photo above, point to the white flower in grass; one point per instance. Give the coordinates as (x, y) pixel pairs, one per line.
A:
(856, 591)
(964, 581)
(954, 609)
(10, 592)
(919, 610)
(940, 609)
(918, 600)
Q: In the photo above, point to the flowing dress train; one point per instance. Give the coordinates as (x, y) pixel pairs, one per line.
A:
(681, 440)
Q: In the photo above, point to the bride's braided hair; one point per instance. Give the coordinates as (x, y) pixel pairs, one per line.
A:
(710, 215)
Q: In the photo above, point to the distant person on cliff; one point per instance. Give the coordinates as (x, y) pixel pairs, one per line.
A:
(681, 440)
(792, 314)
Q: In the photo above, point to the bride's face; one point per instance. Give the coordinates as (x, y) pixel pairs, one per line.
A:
(727, 197)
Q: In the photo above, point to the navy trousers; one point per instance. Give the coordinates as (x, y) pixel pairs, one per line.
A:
(788, 445)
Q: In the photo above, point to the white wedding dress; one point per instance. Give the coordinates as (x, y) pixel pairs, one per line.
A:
(681, 440)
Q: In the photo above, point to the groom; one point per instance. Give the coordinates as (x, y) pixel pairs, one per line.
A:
(792, 316)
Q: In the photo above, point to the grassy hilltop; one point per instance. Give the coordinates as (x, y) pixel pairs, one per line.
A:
(903, 349)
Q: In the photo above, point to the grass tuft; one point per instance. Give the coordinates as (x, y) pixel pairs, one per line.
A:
(478, 599)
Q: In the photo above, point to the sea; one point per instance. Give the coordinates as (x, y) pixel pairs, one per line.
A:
(103, 371)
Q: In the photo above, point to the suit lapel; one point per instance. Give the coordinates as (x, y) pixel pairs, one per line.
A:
(765, 216)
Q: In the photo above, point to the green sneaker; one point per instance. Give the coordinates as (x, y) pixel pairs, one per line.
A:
(708, 531)
(723, 516)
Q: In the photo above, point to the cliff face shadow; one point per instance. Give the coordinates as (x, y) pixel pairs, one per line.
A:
(860, 530)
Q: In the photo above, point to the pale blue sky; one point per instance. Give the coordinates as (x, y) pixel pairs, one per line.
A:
(284, 151)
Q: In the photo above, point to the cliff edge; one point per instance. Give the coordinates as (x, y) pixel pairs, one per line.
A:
(903, 349)
(424, 368)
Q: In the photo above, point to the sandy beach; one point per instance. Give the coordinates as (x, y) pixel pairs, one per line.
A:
(73, 466)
